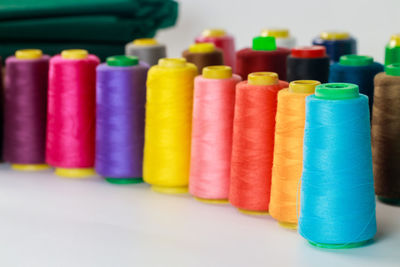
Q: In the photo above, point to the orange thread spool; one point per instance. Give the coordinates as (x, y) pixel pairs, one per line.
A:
(253, 141)
(288, 152)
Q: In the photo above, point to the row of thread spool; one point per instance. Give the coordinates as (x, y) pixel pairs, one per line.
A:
(121, 62)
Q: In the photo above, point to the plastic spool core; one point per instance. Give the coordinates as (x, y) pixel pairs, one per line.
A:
(277, 33)
(336, 91)
(355, 60)
(394, 40)
(75, 172)
(264, 43)
(172, 62)
(170, 190)
(217, 72)
(253, 212)
(122, 61)
(303, 86)
(212, 201)
(145, 42)
(287, 225)
(202, 48)
(262, 78)
(28, 54)
(393, 69)
(124, 180)
(332, 36)
(30, 167)
(74, 54)
(315, 51)
(213, 33)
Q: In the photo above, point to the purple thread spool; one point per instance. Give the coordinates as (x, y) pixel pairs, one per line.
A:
(25, 107)
(120, 112)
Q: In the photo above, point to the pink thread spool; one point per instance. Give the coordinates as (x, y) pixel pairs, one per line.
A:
(221, 40)
(213, 110)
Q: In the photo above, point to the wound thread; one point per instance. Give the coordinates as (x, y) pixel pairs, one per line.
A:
(203, 55)
(147, 50)
(337, 44)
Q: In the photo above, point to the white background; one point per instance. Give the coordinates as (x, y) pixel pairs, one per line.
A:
(371, 22)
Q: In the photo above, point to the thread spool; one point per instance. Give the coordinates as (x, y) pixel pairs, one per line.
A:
(25, 110)
(282, 37)
(221, 40)
(392, 50)
(147, 50)
(308, 63)
(359, 70)
(385, 134)
(214, 93)
(120, 108)
(253, 142)
(71, 117)
(264, 56)
(203, 55)
(337, 196)
(288, 151)
(337, 44)
(168, 125)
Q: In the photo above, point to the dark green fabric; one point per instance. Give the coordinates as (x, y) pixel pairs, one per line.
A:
(98, 24)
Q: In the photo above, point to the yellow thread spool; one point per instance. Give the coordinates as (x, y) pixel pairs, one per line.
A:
(74, 54)
(213, 33)
(145, 42)
(168, 125)
(202, 48)
(28, 54)
(335, 35)
(263, 78)
(277, 33)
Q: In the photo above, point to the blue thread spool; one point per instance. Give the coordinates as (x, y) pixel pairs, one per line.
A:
(359, 70)
(337, 191)
(337, 44)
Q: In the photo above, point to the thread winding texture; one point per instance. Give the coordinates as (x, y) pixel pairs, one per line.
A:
(71, 112)
(168, 124)
(253, 145)
(288, 156)
(202, 60)
(213, 110)
(249, 60)
(337, 48)
(385, 136)
(25, 110)
(149, 54)
(120, 111)
(337, 197)
(226, 43)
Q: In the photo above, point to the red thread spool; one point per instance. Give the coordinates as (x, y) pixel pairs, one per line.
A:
(253, 141)
(213, 109)
(71, 113)
(221, 40)
(263, 56)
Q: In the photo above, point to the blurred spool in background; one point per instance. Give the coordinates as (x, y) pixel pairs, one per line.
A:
(359, 70)
(147, 50)
(337, 191)
(203, 55)
(120, 110)
(263, 56)
(168, 126)
(385, 134)
(308, 63)
(25, 105)
(223, 41)
(70, 139)
(282, 37)
(337, 44)
(213, 110)
(392, 50)
(253, 142)
(288, 152)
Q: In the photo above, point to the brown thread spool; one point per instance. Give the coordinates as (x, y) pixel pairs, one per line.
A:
(385, 133)
(203, 55)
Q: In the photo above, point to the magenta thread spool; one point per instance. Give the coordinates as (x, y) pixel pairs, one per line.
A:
(25, 104)
(120, 112)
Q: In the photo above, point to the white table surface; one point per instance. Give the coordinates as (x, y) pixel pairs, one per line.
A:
(51, 221)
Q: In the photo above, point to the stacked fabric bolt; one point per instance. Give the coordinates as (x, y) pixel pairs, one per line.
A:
(100, 26)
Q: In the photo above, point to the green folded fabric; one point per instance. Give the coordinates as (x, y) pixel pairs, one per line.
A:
(101, 50)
